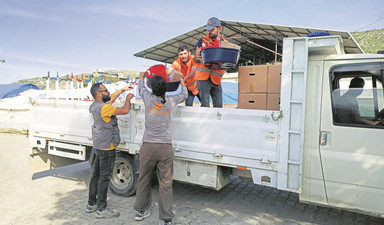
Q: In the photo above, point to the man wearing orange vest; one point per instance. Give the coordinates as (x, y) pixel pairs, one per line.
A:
(184, 65)
(209, 81)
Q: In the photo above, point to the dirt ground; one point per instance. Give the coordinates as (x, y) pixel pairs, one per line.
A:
(60, 195)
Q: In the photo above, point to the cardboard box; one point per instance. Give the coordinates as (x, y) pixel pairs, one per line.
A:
(175, 75)
(273, 102)
(252, 101)
(229, 45)
(274, 79)
(253, 79)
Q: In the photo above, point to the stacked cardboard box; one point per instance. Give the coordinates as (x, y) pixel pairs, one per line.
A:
(259, 87)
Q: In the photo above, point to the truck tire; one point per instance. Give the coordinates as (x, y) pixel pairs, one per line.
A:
(125, 176)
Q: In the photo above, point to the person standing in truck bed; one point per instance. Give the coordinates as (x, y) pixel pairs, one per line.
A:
(209, 80)
(184, 65)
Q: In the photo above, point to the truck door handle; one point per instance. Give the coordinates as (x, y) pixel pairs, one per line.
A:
(323, 138)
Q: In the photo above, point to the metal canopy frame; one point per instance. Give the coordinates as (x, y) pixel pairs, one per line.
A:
(260, 43)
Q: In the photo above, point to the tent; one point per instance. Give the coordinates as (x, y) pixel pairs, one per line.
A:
(260, 43)
(12, 90)
(230, 92)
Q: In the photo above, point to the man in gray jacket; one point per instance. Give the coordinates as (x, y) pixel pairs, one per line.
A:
(106, 137)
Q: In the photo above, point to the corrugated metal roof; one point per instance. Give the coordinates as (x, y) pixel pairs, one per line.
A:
(248, 36)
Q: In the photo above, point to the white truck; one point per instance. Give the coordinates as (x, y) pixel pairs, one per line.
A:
(301, 148)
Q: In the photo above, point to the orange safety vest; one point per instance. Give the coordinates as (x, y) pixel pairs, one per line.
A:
(185, 69)
(202, 72)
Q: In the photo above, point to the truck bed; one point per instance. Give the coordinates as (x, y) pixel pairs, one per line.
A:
(220, 137)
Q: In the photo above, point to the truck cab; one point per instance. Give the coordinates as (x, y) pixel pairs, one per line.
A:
(343, 159)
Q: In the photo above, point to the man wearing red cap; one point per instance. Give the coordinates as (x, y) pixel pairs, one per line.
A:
(209, 80)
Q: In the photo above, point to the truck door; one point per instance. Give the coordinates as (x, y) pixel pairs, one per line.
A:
(352, 138)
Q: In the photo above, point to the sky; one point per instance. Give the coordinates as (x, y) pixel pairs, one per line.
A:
(78, 36)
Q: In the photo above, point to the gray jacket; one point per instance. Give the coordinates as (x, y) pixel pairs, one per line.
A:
(103, 134)
(158, 116)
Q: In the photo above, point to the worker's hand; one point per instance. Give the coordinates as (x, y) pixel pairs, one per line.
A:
(215, 67)
(182, 81)
(129, 96)
(375, 122)
(127, 87)
(142, 75)
(198, 59)
(169, 70)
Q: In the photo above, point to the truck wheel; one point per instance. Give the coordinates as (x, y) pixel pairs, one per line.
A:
(124, 177)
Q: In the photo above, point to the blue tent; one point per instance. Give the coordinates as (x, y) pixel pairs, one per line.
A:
(230, 93)
(12, 90)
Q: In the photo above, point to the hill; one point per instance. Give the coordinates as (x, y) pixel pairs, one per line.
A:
(370, 41)
(41, 82)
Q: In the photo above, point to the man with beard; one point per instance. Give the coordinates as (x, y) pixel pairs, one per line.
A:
(209, 80)
(106, 137)
(184, 65)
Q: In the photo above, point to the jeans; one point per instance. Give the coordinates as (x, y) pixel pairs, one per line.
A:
(102, 174)
(159, 156)
(190, 98)
(206, 89)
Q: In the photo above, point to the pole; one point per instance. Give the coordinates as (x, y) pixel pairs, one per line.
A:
(264, 47)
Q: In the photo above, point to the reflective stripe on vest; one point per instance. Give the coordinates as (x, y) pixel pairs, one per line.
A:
(192, 83)
(193, 86)
(209, 71)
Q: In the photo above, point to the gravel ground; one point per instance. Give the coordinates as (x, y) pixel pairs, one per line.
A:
(59, 196)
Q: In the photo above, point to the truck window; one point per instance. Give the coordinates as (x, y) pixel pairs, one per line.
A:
(357, 95)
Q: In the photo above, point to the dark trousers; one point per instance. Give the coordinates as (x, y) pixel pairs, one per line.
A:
(190, 98)
(159, 156)
(208, 89)
(102, 174)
